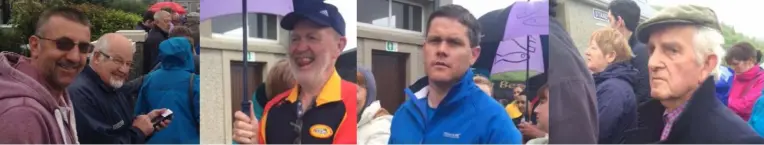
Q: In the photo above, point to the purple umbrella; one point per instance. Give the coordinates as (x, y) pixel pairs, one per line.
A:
(520, 48)
(214, 8)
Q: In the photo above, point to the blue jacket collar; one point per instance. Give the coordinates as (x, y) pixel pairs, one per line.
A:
(457, 92)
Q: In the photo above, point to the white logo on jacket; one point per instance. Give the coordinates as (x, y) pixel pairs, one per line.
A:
(118, 125)
(451, 135)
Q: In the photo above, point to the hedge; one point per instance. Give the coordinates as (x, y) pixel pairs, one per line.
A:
(26, 12)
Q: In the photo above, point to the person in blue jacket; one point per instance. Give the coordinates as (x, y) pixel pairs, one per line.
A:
(446, 106)
(757, 116)
(724, 83)
(174, 86)
(615, 77)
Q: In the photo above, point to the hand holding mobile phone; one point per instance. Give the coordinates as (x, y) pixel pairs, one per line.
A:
(166, 115)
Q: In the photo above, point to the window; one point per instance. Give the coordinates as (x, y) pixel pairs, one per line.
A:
(261, 26)
(394, 14)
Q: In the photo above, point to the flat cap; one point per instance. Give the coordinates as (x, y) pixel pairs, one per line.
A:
(678, 15)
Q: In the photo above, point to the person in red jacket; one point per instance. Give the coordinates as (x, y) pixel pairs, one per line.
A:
(321, 108)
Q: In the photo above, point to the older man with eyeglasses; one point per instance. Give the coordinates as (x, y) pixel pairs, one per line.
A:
(103, 112)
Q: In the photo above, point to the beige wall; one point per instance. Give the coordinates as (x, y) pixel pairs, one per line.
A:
(577, 17)
(217, 54)
(374, 38)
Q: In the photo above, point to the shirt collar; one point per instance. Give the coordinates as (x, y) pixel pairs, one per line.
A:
(671, 115)
(329, 93)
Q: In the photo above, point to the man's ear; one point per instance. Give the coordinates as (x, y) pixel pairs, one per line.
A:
(34, 46)
(620, 21)
(708, 66)
(475, 54)
(341, 45)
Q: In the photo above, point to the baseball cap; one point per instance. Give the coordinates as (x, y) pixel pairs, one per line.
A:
(319, 12)
(679, 15)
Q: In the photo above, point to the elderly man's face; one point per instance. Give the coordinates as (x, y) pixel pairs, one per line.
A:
(113, 66)
(313, 51)
(674, 70)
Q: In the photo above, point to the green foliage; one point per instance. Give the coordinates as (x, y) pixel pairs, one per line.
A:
(10, 41)
(131, 6)
(106, 20)
(26, 12)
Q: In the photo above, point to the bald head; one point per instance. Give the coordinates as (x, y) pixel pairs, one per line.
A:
(113, 58)
(114, 42)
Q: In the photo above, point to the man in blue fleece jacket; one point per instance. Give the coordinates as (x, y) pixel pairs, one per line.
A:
(448, 107)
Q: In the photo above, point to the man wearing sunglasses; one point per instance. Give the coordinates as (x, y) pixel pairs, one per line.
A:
(97, 91)
(35, 106)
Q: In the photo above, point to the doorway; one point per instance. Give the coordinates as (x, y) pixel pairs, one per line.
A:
(254, 79)
(389, 70)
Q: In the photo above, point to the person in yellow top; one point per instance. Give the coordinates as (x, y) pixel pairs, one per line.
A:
(515, 108)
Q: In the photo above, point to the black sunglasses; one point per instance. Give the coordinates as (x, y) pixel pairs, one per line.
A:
(67, 44)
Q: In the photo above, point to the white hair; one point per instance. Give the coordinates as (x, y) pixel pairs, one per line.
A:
(102, 45)
(709, 41)
(158, 15)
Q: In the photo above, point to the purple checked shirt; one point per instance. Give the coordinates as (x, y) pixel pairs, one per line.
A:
(669, 118)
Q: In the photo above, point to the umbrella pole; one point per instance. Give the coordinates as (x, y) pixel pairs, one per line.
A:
(245, 100)
(527, 74)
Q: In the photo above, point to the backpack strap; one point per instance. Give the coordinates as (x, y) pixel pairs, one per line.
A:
(191, 101)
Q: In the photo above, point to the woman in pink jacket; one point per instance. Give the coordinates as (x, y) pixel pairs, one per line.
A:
(748, 80)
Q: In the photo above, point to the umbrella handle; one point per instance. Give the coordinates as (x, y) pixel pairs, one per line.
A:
(245, 107)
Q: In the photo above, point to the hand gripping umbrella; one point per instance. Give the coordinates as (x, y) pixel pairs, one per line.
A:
(214, 8)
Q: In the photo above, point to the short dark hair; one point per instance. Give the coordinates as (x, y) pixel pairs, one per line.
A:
(628, 10)
(148, 15)
(741, 51)
(463, 16)
(65, 12)
(181, 31)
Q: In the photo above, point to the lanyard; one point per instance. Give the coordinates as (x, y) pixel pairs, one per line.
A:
(298, 123)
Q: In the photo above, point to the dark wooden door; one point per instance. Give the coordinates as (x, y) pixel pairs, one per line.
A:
(254, 79)
(389, 70)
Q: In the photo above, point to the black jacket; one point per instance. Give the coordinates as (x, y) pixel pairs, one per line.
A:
(104, 116)
(642, 82)
(140, 26)
(151, 48)
(572, 90)
(704, 121)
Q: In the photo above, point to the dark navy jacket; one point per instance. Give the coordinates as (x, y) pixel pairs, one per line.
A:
(616, 105)
(103, 115)
(465, 116)
(642, 81)
(704, 121)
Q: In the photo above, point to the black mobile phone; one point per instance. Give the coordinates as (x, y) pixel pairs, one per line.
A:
(167, 115)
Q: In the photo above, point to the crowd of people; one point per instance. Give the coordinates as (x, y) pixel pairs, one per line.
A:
(89, 96)
(661, 81)
(305, 101)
